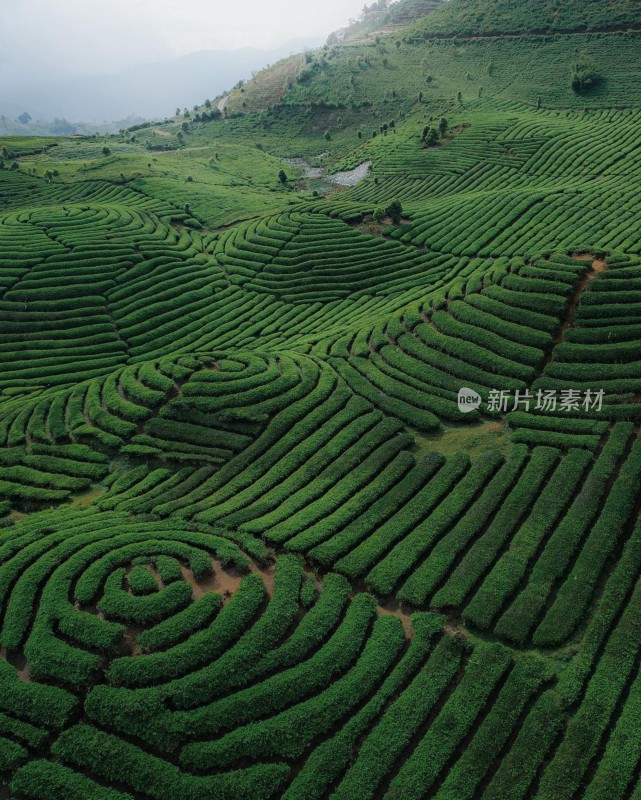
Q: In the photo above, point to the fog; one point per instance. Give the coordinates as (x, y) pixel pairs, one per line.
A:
(50, 48)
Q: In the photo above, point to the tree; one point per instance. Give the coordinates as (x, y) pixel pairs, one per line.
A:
(459, 97)
(430, 136)
(443, 127)
(185, 127)
(398, 44)
(106, 151)
(25, 118)
(394, 211)
(177, 112)
(282, 177)
(5, 152)
(420, 97)
(584, 77)
(15, 166)
(328, 136)
(379, 215)
(62, 126)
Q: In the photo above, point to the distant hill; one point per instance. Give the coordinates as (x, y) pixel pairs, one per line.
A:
(484, 16)
(151, 90)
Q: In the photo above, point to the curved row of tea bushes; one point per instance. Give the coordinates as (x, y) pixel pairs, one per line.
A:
(288, 257)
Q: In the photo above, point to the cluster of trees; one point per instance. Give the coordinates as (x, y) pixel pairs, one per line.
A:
(584, 77)
(431, 135)
(393, 211)
(206, 116)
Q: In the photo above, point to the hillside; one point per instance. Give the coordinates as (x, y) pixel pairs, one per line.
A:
(383, 16)
(461, 17)
(320, 431)
(438, 56)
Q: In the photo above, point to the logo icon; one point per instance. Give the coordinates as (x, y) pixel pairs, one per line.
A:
(468, 400)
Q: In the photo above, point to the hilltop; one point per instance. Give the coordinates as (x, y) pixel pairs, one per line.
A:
(469, 17)
(383, 16)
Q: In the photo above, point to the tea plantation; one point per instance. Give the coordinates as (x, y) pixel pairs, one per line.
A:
(251, 543)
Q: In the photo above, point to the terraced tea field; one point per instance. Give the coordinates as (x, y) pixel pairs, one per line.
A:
(251, 543)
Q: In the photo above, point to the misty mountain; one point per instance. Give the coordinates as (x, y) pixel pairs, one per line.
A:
(149, 90)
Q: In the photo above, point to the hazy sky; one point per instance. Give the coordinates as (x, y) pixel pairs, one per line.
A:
(98, 36)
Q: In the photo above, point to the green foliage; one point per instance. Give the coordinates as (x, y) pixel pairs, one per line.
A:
(228, 411)
(394, 211)
(482, 16)
(584, 77)
(430, 136)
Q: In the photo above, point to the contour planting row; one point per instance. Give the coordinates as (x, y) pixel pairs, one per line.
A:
(18, 190)
(514, 542)
(198, 411)
(315, 445)
(489, 332)
(303, 257)
(108, 295)
(531, 220)
(600, 351)
(76, 300)
(293, 690)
